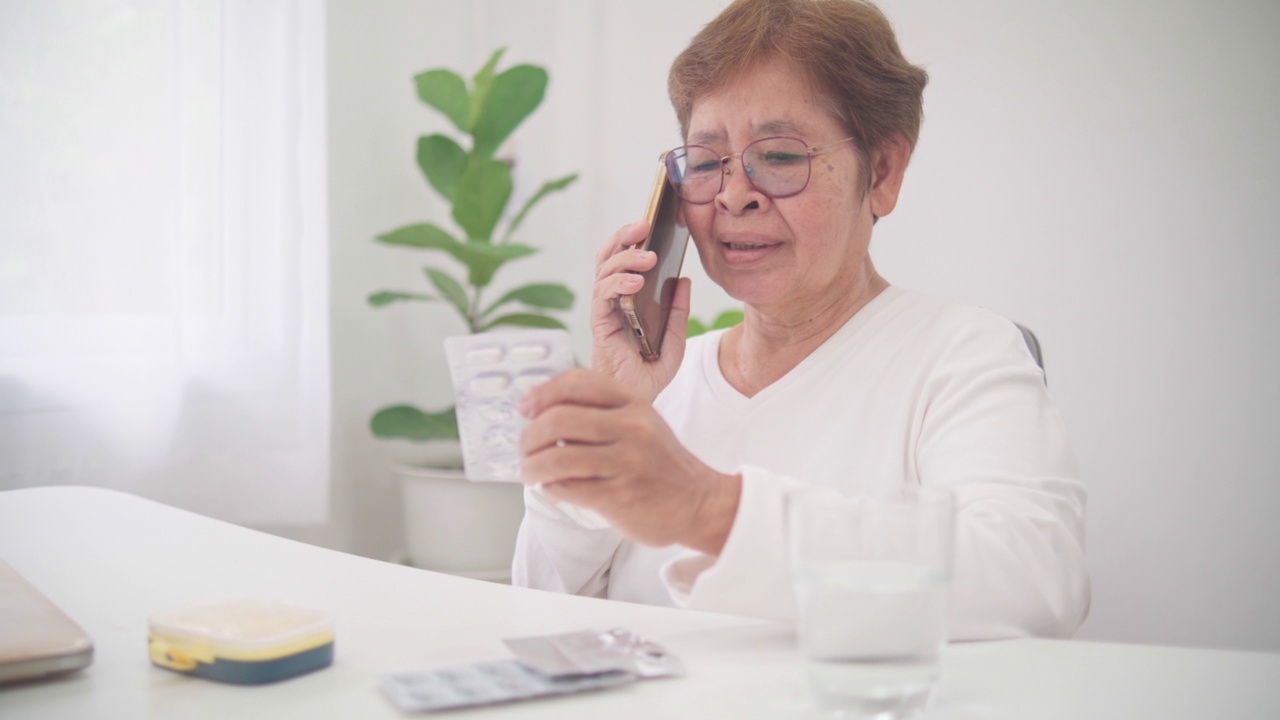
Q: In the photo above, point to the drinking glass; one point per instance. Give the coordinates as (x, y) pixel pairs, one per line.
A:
(870, 575)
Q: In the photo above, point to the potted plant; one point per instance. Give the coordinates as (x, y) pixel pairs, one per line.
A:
(452, 524)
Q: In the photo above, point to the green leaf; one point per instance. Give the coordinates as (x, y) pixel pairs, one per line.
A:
(424, 236)
(482, 84)
(410, 423)
(515, 94)
(547, 188)
(480, 197)
(445, 91)
(540, 295)
(525, 320)
(484, 259)
(452, 291)
(386, 297)
(727, 319)
(481, 258)
(442, 161)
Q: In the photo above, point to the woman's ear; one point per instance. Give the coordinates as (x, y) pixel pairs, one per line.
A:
(888, 165)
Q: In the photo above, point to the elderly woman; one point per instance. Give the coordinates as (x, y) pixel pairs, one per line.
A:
(835, 378)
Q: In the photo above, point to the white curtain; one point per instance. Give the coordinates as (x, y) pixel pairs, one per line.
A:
(163, 252)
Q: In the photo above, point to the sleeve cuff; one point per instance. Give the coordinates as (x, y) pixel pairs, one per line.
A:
(751, 575)
(589, 519)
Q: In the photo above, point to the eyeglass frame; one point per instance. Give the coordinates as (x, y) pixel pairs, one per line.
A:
(726, 169)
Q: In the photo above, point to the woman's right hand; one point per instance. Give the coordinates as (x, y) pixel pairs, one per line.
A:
(614, 351)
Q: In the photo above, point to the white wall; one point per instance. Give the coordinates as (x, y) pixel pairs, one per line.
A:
(1103, 172)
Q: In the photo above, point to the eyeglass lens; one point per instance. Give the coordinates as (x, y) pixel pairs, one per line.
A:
(777, 167)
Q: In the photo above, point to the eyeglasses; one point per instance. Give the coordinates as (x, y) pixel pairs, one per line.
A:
(776, 166)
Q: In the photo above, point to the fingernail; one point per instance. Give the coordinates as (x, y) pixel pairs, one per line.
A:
(525, 406)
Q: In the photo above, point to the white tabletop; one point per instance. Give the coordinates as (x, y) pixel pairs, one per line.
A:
(111, 559)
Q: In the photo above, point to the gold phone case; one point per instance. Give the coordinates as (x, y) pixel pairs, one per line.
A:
(627, 303)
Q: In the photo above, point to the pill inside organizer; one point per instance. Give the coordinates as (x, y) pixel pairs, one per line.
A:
(242, 641)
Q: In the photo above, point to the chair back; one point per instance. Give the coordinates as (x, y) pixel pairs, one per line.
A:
(1033, 344)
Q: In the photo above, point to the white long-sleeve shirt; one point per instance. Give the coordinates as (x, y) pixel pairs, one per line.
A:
(910, 391)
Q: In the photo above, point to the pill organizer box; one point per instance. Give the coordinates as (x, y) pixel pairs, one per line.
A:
(241, 641)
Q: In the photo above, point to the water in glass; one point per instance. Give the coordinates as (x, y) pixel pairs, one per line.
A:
(872, 632)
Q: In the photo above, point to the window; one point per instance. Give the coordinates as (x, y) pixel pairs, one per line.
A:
(163, 252)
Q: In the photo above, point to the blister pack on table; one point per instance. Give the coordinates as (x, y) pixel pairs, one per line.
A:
(588, 652)
(488, 683)
(545, 665)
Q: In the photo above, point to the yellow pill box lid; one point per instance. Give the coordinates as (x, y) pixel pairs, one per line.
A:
(242, 640)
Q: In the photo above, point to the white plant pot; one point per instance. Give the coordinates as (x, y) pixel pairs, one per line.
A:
(457, 526)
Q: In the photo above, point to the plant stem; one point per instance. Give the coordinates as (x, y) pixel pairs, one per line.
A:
(473, 318)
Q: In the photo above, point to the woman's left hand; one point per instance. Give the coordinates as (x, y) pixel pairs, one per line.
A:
(593, 442)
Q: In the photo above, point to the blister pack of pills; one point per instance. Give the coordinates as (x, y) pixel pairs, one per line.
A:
(491, 372)
(589, 652)
(487, 683)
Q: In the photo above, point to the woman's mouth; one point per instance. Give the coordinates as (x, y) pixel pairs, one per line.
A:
(746, 252)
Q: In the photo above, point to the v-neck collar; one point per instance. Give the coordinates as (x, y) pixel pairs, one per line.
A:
(729, 395)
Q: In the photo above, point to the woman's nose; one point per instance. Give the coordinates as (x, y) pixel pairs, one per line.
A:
(738, 194)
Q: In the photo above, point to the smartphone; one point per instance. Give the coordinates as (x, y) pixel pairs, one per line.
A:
(647, 311)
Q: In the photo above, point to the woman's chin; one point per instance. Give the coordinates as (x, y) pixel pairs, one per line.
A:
(751, 291)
